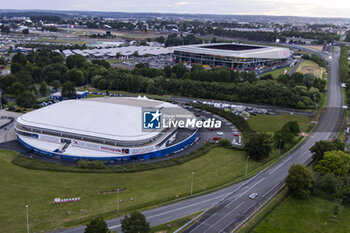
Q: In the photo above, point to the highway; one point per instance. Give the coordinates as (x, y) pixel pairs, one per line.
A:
(231, 205)
(236, 208)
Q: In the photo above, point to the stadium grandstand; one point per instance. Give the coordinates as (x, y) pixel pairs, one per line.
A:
(236, 56)
(108, 128)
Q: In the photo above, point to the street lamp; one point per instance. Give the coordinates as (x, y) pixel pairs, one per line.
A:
(27, 218)
(118, 201)
(246, 166)
(192, 183)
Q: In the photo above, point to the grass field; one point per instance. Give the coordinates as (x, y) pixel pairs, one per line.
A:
(152, 96)
(312, 215)
(308, 66)
(278, 72)
(273, 123)
(20, 186)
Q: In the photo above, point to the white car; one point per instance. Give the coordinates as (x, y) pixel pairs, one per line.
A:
(220, 133)
(253, 195)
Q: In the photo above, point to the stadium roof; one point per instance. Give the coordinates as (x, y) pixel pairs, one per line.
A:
(255, 51)
(115, 118)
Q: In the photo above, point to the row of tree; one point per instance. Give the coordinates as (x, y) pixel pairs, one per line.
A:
(329, 177)
(298, 90)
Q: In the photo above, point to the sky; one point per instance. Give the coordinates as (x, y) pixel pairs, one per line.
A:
(312, 8)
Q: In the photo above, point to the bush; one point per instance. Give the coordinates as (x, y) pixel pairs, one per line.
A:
(225, 142)
(29, 163)
(95, 164)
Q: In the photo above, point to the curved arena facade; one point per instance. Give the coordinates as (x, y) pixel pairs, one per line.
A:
(111, 129)
(235, 56)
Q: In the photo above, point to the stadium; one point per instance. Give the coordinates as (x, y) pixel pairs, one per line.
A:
(111, 129)
(235, 56)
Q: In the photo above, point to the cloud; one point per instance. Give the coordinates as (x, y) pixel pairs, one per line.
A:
(318, 8)
(179, 4)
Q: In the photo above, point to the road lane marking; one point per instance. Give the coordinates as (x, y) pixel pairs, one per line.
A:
(156, 215)
(270, 190)
(248, 208)
(252, 187)
(281, 164)
(224, 216)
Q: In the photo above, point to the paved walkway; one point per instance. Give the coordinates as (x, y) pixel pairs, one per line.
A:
(8, 133)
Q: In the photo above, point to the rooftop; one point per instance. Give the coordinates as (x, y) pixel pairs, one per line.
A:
(115, 118)
(237, 50)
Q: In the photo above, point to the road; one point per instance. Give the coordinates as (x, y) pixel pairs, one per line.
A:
(232, 204)
(235, 209)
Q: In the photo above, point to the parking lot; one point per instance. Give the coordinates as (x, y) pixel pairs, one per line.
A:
(153, 61)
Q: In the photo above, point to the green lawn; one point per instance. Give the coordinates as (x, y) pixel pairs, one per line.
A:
(152, 96)
(312, 215)
(277, 73)
(273, 123)
(20, 186)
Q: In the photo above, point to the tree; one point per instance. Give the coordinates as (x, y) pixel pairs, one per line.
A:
(97, 225)
(19, 58)
(299, 181)
(68, 90)
(56, 84)
(15, 67)
(26, 99)
(160, 39)
(25, 78)
(43, 88)
(135, 54)
(167, 70)
(16, 88)
(25, 31)
(258, 146)
(335, 162)
(329, 186)
(321, 147)
(135, 223)
(75, 76)
(287, 133)
(75, 61)
(180, 70)
(2, 61)
(5, 29)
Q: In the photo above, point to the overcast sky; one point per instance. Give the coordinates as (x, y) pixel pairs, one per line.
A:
(314, 8)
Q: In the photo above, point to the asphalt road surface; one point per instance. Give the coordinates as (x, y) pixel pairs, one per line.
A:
(232, 205)
(236, 208)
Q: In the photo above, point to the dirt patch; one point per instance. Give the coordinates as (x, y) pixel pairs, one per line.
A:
(311, 67)
(315, 47)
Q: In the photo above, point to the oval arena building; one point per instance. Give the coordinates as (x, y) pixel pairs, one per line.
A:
(111, 129)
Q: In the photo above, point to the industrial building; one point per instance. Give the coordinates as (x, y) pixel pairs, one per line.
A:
(236, 56)
(105, 128)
